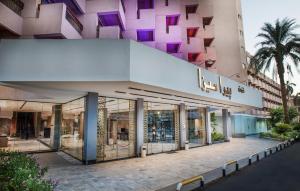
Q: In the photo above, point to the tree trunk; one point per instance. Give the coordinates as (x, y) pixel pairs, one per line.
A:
(283, 91)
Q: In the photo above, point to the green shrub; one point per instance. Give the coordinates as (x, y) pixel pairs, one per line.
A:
(281, 128)
(296, 127)
(273, 135)
(217, 136)
(20, 172)
(292, 135)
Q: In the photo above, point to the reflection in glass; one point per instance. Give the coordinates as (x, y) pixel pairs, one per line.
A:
(72, 128)
(22, 125)
(196, 126)
(116, 129)
(162, 122)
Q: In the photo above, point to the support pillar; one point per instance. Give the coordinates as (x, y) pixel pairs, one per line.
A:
(225, 119)
(208, 126)
(90, 129)
(182, 127)
(57, 114)
(139, 125)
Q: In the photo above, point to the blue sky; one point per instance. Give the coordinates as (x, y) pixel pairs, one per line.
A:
(257, 12)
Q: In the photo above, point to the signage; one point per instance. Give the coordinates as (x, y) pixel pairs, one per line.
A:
(208, 86)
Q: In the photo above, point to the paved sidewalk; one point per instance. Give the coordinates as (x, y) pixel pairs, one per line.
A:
(153, 172)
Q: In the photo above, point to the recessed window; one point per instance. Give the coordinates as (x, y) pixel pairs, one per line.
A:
(191, 32)
(190, 9)
(171, 20)
(192, 57)
(145, 4)
(173, 48)
(207, 21)
(145, 35)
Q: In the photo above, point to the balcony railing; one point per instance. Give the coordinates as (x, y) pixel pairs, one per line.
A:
(74, 21)
(15, 5)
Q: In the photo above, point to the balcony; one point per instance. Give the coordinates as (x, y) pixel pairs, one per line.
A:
(74, 21)
(14, 5)
(10, 20)
(57, 21)
(76, 6)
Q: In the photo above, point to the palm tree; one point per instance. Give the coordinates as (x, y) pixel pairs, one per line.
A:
(290, 88)
(279, 43)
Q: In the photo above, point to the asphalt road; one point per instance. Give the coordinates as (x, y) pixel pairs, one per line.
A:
(280, 172)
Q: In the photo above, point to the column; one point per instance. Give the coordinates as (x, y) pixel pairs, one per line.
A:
(90, 129)
(208, 126)
(182, 127)
(139, 125)
(225, 119)
(57, 114)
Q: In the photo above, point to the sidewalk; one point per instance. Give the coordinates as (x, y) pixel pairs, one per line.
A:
(154, 172)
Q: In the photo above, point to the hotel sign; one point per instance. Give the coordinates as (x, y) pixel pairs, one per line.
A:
(208, 86)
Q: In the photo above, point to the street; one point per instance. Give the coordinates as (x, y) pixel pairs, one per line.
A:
(280, 172)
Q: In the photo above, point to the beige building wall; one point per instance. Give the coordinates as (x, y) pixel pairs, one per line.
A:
(229, 39)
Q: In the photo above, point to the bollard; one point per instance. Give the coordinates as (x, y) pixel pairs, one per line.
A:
(189, 181)
(143, 151)
(250, 158)
(186, 146)
(229, 163)
(266, 152)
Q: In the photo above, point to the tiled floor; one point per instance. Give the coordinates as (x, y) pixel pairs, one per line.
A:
(31, 145)
(153, 172)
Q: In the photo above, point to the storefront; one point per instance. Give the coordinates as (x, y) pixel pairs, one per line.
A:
(161, 123)
(116, 129)
(112, 98)
(196, 127)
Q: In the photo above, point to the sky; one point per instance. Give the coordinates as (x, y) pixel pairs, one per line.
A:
(257, 12)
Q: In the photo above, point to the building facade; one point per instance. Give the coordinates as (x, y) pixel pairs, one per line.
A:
(207, 33)
(151, 79)
(271, 99)
(102, 100)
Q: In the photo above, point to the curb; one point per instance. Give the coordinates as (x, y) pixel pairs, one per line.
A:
(227, 169)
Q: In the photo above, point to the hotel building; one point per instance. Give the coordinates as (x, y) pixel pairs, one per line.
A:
(271, 99)
(147, 74)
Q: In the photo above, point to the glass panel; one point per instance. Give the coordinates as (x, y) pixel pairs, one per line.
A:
(22, 127)
(196, 134)
(162, 122)
(72, 128)
(116, 129)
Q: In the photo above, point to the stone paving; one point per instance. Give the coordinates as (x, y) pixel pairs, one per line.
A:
(154, 172)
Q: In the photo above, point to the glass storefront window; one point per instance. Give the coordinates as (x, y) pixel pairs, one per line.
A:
(161, 127)
(71, 140)
(116, 129)
(195, 121)
(23, 127)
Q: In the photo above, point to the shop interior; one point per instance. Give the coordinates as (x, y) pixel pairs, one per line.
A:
(25, 126)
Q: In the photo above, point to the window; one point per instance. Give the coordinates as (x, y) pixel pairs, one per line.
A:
(162, 122)
(195, 120)
(145, 35)
(72, 128)
(191, 32)
(190, 9)
(173, 48)
(171, 20)
(116, 129)
(167, 2)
